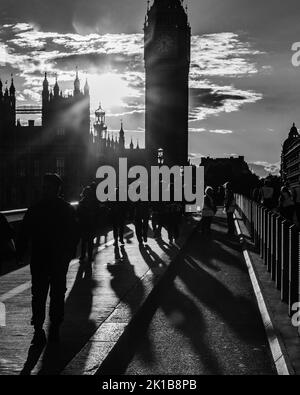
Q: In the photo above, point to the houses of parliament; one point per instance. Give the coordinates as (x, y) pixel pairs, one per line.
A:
(68, 143)
(65, 143)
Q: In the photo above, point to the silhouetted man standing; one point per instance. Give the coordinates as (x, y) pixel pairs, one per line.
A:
(118, 214)
(51, 228)
(141, 220)
(157, 218)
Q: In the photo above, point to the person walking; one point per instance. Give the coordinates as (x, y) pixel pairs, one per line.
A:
(88, 213)
(286, 204)
(267, 195)
(256, 193)
(141, 220)
(173, 217)
(157, 218)
(51, 228)
(221, 194)
(208, 211)
(118, 213)
(230, 206)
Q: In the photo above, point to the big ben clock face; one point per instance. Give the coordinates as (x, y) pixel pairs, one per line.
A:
(166, 46)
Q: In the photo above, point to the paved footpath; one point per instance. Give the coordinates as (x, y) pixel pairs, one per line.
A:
(207, 321)
(100, 302)
(203, 318)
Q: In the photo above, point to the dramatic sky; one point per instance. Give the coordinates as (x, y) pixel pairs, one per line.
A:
(244, 90)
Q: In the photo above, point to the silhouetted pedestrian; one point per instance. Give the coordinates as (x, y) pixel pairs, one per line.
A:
(157, 218)
(88, 215)
(209, 211)
(256, 193)
(118, 215)
(51, 228)
(141, 220)
(286, 204)
(173, 217)
(221, 195)
(267, 195)
(230, 206)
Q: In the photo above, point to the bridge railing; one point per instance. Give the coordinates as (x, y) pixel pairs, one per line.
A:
(14, 217)
(278, 243)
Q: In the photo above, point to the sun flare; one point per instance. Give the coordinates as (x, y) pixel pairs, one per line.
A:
(110, 89)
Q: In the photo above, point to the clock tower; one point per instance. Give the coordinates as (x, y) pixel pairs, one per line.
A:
(167, 62)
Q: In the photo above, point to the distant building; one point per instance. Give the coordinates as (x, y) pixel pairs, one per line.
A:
(65, 143)
(107, 149)
(218, 171)
(290, 158)
(59, 145)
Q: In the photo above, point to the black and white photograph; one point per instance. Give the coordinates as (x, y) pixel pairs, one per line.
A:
(149, 191)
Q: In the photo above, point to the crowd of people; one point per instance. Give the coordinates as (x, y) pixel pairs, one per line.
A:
(285, 201)
(223, 196)
(53, 229)
(95, 217)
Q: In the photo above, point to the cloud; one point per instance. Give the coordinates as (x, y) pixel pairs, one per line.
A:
(216, 131)
(113, 64)
(211, 100)
(197, 130)
(263, 169)
(222, 54)
(221, 131)
(194, 155)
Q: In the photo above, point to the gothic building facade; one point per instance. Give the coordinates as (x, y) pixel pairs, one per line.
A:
(59, 144)
(65, 143)
(290, 158)
(108, 148)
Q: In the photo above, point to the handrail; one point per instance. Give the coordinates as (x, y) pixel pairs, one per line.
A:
(278, 243)
(10, 213)
(14, 212)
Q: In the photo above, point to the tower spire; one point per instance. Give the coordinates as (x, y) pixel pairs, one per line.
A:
(86, 88)
(294, 131)
(45, 93)
(56, 87)
(122, 136)
(76, 83)
(12, 89)
(45, 83)
(6, 89)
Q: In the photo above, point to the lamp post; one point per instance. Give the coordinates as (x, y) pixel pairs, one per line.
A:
(160, 157)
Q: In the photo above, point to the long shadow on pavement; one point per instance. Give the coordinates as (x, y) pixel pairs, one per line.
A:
(124, 279)
(78, 326)
(223, 296)
(183, 313)
(77, 329)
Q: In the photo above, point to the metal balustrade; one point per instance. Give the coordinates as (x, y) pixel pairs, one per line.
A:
(8, 213)
(14, 217)
(278, 243)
